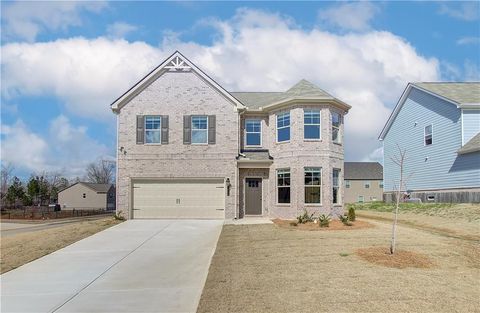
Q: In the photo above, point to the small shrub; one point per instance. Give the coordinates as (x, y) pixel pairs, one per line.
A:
(305, 218)
(293, 223)
(324, 220)
(119, 216)
(344, 254)
(351, 213)
(345, 220)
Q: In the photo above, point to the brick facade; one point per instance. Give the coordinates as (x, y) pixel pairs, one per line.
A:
(186, 93)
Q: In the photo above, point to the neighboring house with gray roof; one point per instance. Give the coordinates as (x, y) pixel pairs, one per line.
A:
(438, 125)
(188, 148)
(87, 196)
(363, 182)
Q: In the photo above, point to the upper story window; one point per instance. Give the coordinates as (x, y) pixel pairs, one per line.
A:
(311, 124)
(347, 184)
(199, 129)
(336, 186)
(313, 185)
(253, 133)
(366, 184)
(153, 128)
(336, 121)
(380, 184)
(283, 127)
(428, 135)
(283, 186)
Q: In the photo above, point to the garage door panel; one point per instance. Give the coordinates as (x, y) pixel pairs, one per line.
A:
(179, 199)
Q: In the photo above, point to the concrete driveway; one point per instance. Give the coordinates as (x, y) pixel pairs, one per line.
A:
(136, 266)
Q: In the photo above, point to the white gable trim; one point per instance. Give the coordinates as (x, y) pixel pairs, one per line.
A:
(175, 63)
(401, 102)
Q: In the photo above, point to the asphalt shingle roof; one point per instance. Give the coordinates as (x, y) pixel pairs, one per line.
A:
(304, 88)
(257, 155)
(98, 187)
(459, 92)
(363, 170)
(472, 145)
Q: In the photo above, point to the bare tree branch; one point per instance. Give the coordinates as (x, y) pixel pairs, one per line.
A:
(101, 172)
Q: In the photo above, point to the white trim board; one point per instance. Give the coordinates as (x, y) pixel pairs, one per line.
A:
(404, 97)
(175, 63)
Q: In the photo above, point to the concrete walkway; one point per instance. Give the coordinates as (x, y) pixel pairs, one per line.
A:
(136, 266)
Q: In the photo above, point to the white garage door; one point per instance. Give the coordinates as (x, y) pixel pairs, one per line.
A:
(179, 199)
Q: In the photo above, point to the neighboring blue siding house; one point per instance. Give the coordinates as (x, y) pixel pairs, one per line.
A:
(438, 124)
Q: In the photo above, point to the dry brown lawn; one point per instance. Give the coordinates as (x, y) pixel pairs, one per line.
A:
(466, 225)
(22, 248)
(265, 268)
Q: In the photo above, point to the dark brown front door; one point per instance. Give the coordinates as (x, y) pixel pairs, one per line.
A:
(253, 196)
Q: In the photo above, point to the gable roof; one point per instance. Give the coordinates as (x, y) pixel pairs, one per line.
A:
(473, 145)
(101, 188)
(461, 93)
(464, 95)
(174, 63)
(363, 170)
(301, 91)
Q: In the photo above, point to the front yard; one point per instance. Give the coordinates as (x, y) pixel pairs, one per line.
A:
(22, 248)
(266, 268)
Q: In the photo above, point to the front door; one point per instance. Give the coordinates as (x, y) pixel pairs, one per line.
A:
(253, 196)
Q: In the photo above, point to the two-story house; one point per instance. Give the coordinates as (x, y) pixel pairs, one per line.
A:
(363, 182)
(187, 148)
(438, 125)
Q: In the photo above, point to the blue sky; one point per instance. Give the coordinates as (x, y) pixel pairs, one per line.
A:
(63, 63)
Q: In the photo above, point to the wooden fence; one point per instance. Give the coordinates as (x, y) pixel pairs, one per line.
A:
(40, 213)
(438, 196)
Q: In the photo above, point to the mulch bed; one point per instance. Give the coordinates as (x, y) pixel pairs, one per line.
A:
(400, 259)
(334, 225)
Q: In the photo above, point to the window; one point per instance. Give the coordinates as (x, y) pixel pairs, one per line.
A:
(283, 186)
(313, 185)
(84, 196)
(152, 129)
(428, 135)
(366, 184)
(311, 124)
(336, 186)
(199, 129)
(253, 132)
(336, 121)
(380, 184)
(360, 199)
(283, 127)
(347, 184)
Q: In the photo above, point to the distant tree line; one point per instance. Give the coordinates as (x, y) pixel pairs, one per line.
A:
(42, 189)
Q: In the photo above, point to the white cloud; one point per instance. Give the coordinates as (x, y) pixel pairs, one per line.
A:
(120, 29)
(66, 148)
(468, 41)
(350, 16)
(472, 72)
(375, 156)
(26, 19)
(466, 11)
(86, 75)
(254, 50)
(21, 147)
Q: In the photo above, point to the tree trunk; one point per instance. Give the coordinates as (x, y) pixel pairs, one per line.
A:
(397, 204)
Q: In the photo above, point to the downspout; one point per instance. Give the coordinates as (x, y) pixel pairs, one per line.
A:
(116, 169)
(237, 183)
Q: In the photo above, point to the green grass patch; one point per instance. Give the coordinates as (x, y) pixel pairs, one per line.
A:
(379, 206)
